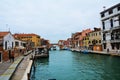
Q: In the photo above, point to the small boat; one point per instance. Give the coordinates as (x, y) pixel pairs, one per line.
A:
(54, 47)
(85, 51)
(42, 52)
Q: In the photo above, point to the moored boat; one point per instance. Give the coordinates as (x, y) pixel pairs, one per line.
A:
(42, 52)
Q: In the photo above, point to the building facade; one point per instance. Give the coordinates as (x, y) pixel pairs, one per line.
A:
(6, 45)
(95, 38)
(110, 20)
(32, 40)
(86, 41)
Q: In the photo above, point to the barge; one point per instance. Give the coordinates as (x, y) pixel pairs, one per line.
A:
(41, 52)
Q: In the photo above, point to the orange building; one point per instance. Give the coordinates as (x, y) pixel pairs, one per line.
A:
(77, 38)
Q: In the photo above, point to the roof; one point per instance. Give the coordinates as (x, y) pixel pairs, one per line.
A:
(22, 35)
(2, 34)
(110, 8)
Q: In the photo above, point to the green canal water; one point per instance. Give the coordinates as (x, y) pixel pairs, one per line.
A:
(67, 65)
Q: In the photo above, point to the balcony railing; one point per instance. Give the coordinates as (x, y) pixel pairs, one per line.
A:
(115, 41)
(114, 28)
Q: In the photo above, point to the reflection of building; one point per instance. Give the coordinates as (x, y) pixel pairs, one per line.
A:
(110, 19)
(6, 44)
(95, 40)
(32, 40)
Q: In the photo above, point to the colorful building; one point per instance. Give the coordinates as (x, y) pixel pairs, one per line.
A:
(61, 44)
(95, 40)
(86, 41)
(77, 39)
(32, 40)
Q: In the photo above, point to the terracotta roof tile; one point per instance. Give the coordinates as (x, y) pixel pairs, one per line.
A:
(2, 34)
(23, 35)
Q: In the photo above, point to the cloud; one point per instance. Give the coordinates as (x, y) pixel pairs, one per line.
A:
(52, 19)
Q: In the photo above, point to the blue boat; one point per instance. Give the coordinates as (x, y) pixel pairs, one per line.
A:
(85, 51)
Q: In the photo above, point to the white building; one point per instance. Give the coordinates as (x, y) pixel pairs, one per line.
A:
(110, 19)
(7, 40)
(20, 44)
(6, 43)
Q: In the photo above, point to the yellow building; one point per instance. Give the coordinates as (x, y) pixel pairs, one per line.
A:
(33, 40)
(95, 40)
(86, 42)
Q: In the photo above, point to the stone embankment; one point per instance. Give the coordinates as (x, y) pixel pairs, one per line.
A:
(97, 52)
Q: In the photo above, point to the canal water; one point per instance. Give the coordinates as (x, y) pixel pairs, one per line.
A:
(67, 65)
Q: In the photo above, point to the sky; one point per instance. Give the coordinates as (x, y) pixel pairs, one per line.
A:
(51, 19)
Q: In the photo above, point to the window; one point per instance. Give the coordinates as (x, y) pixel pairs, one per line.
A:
(16, 43)
(118, 8)
(112, 45)
(111, 11)
(117, 46)
(103, 24)
(5, 45)
(104, 36)
(89, 42)
(104, 45)
(102, 15)
(119, 20)
(96, 41)
(99, 41)
(99, 33)
(12, 45)
(111, 23)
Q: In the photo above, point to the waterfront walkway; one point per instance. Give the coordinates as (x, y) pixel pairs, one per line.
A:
(4, 66)
(9, 69)
(20, 73)
(98, 52)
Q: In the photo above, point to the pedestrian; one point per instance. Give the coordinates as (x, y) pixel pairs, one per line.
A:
(12, 56)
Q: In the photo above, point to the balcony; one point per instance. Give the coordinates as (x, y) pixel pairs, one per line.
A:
(114, 28)
(109, 16)
(115, 41)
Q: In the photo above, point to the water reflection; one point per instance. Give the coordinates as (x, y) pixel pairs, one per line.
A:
(67, 65)
(36, 67)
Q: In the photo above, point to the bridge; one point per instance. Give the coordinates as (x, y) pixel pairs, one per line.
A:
(54, 44)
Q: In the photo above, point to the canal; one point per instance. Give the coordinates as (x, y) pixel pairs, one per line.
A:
(67, 65)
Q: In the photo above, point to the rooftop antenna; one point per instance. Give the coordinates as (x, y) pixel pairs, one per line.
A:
(8, 27)
(104, 7)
